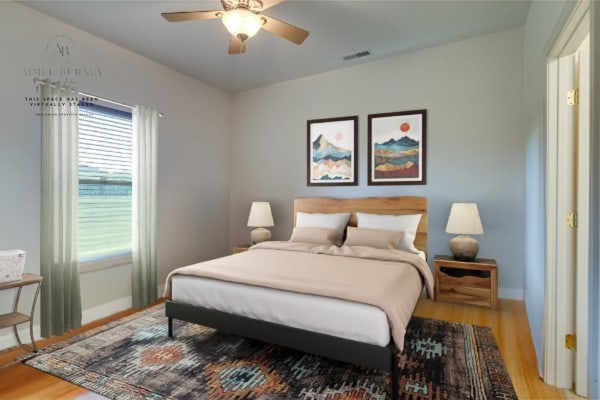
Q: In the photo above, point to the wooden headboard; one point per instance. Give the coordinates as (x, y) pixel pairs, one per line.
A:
(372, 205)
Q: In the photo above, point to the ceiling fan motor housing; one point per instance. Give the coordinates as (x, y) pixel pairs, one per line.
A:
(252, 5)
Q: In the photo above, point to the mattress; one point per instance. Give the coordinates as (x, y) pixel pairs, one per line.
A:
(330, 316)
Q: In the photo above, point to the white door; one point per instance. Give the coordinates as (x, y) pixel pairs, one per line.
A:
(582, 206)
(567, 189)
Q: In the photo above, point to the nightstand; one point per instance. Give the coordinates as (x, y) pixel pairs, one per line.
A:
(241, 248)
(470, 282)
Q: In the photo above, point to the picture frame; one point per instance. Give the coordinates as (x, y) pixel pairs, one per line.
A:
(397, 148)
(332, 151)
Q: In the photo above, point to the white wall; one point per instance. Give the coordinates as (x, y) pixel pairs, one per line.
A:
(541, 23)
(193, 146)
(472, 91)
(594, 287)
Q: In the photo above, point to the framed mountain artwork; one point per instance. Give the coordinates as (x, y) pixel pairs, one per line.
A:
(397, 148)
(332, 151)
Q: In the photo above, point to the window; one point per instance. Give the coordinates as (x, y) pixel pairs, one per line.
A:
(105, 175)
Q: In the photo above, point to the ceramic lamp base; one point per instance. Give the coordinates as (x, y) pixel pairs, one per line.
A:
(259, 235)
(464, 247)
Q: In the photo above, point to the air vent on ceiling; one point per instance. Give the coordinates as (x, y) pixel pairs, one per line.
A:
(357, 55)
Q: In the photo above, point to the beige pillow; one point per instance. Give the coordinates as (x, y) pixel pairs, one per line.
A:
(377, 238)
(398, 223)
(314, 235)
(337, 221)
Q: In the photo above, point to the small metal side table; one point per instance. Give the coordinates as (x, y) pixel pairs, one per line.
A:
(15, 318)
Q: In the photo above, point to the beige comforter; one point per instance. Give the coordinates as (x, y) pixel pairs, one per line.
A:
(389, 279)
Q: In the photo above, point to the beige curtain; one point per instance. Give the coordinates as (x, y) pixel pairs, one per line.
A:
(145, 135)
(61, 300)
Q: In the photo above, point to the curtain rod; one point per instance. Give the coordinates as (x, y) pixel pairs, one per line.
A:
(37, 81)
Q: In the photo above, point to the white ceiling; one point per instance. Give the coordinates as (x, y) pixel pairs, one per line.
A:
(337, 28)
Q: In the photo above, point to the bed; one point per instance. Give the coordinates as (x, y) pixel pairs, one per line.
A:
(334, 321)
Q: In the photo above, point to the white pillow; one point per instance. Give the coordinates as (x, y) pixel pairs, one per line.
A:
(406, 223)
(314, 235)
(377, 238)
(337, 221)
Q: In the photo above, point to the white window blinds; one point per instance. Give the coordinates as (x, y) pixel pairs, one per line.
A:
(105, 173)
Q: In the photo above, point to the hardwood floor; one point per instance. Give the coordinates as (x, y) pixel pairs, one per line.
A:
(509, 323)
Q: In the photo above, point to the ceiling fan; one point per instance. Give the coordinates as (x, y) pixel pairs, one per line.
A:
(243, 19)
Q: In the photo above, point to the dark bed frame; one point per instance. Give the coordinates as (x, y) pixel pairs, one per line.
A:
(350, 351)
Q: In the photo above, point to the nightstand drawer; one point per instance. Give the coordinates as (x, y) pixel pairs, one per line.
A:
(466, 289)
(471, 282)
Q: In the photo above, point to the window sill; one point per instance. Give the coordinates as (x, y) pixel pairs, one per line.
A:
(96, 265)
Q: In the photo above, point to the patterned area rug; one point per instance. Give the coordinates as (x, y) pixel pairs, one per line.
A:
(133, 358)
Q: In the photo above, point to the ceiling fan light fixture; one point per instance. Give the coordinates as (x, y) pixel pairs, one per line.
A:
(242, 24)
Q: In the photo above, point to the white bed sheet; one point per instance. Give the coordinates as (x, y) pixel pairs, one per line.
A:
(341, 318)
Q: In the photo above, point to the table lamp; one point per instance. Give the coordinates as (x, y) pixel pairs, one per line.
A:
(260, 217)
(464, 220)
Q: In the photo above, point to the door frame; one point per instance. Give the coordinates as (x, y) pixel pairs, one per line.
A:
(559, 363)
(594, 254)
(583, 155)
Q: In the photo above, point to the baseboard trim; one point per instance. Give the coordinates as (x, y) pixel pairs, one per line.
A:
(105, 310)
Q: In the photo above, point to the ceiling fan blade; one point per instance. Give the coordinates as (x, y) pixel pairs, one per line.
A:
(285, 30)
(269, 3)
(190, 15)
(236, 46)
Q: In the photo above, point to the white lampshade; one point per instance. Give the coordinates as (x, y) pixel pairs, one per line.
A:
(464, 219)
(260, 214)
(241, 23)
